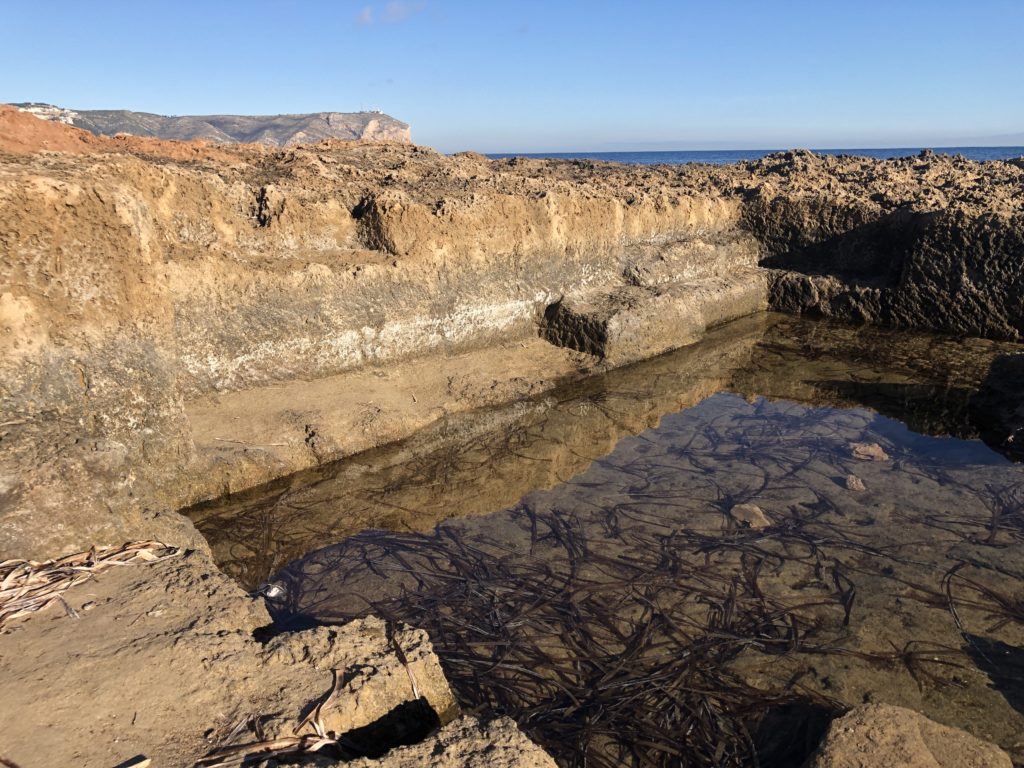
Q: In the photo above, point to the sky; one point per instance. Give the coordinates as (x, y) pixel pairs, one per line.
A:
(546, 76)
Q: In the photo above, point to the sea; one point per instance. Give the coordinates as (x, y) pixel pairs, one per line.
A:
(723, 156)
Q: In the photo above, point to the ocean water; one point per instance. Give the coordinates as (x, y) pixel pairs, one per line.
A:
(723, 156)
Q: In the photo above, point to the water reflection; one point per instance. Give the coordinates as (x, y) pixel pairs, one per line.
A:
(482, 462)
(630, 616)
(623, 610)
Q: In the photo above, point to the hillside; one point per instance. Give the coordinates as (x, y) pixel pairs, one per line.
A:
(273, 130)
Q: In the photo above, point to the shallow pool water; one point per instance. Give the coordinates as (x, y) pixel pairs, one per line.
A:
(693, 561)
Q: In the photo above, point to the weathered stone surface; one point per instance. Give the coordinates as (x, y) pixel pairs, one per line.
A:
(163, 662)
(883, 736)
(634, 323)
(143, 279)
(870, 249)
(135, 284)
(721, 254)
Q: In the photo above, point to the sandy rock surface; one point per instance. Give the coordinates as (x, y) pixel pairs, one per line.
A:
(883, 736)
(163, 662)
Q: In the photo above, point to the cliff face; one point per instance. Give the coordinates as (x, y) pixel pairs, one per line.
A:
(148, 285)
(272, 130)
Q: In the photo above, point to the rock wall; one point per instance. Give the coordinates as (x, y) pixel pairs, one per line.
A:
(928, 242)
(132, 286)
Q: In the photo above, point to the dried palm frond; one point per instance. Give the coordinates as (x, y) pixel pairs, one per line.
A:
(28, 586)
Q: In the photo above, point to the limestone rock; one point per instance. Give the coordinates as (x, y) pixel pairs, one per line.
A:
(854, 483)
(868, 452)
(634, 323)
(467, 743)
(749, 516)
(169, 652)
(883, 736)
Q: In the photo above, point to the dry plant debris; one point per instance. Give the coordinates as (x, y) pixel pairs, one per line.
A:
(28, 586)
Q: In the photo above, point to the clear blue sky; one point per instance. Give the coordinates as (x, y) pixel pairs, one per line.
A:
(543, 75)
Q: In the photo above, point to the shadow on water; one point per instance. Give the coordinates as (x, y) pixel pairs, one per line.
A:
(621, 607)
(1003, 663)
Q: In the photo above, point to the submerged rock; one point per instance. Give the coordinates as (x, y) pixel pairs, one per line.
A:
(868, 452)
(883, 736)
(749, 516)
(854, 483)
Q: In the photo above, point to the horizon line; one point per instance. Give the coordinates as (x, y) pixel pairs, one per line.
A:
(894, 148)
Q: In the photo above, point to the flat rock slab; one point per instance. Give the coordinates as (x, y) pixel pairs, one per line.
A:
(634, 323)
(163, 663)
(883, 736)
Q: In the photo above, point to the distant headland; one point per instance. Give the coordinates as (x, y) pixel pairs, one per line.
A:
(273, 130)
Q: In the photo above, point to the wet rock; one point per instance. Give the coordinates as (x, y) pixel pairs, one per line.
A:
(749, 516)
(854, 483)
(868, 452)
(883, 736)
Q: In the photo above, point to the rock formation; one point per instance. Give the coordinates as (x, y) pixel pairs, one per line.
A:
(882, 736)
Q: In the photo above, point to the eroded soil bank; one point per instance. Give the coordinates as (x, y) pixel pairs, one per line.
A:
(178, 321)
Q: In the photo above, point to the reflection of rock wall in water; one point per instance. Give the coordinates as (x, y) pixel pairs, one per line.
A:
(998, 406)
(480, 462)
(638, 573)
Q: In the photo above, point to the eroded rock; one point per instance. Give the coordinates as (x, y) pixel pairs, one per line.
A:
(468, 743)
(167, 663)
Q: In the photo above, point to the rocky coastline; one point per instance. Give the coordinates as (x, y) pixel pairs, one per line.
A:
(182, 320)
